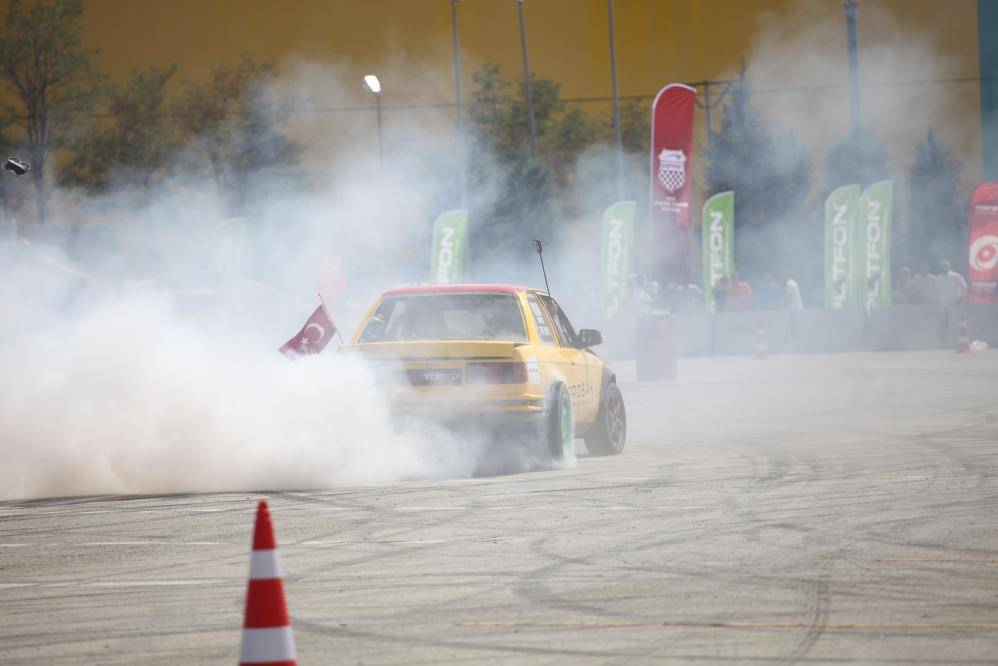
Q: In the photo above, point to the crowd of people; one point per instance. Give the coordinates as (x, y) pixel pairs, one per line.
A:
(778, 291)
(927, 288)
(771, 293)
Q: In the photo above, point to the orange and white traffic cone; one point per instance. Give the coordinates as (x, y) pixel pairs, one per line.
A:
(761, 345)
(267, 637)
(963, 340)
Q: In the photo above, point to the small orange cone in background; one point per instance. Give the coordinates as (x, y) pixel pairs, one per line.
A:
(267, 637)
(761, 345)
(963, 340)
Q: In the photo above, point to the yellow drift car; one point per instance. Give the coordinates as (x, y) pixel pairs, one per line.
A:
(504, 356)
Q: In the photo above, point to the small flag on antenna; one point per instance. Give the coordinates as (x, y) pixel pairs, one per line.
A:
(314, 335)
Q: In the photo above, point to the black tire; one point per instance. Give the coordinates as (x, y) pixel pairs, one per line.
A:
(609, 433)
(558, 430)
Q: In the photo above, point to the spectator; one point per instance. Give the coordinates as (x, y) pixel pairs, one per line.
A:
(721, 291)
(791, 293)
(739, 293)
(952, 287)
(687, 298)
(923, 287)
(902, 290)
(770, 293)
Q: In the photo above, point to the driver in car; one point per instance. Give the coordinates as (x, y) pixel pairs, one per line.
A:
(503, 324)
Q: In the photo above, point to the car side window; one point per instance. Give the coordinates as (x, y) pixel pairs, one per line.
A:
(566, 332)
(542, 323)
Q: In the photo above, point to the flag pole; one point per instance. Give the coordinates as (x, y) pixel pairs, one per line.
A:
(337, 328)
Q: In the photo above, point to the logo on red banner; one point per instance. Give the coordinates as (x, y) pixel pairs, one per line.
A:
(982, 257)
(984, 253)
(672, 169)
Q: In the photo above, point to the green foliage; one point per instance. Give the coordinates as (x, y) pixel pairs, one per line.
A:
(635, 126)
(488, 114)
(12, 190)
(572, 135)
(236, 127)
(51, 81)
(523, 205)
(137, 146)
(936, 222)
(498, 127)
(770, 174)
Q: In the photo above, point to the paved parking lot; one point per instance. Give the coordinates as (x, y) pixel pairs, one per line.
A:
(818, 509)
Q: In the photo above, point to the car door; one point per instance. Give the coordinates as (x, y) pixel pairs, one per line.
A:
(581, 382)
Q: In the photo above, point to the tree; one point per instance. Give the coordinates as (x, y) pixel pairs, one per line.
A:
(570, 137)
(488, 116)
(51, 80)
(859, 157)
(237, 128)
(137, 145)
(11, 189)
(635, 126)
(520, 204)
(770, 174)
(937, 223)
(497, 120)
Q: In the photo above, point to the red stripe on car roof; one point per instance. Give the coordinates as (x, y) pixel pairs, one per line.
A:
(456, 288)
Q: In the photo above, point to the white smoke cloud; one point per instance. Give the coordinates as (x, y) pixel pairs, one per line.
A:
(798, 64)
(132, 365)
(127, 395)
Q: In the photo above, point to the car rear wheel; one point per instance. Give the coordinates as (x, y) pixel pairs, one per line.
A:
(559, 424)
(609, 433)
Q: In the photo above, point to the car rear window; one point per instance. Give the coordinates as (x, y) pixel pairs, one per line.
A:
(446, 317)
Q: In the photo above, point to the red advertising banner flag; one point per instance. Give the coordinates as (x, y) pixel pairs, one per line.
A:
(983, 240)
(671, 181)
(314, 335)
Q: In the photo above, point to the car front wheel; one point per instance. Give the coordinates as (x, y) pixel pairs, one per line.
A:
(609, 433)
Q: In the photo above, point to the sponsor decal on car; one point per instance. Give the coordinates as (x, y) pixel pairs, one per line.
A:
(533, 371)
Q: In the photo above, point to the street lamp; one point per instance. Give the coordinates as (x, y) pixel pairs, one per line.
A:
(457, 97)
(852, 44)
(616, 103)
(527, 83)
(373, 85)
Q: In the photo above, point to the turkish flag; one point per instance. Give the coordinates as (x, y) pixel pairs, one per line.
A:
(313, 336)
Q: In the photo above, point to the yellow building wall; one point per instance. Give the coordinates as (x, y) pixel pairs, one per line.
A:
(795, 52)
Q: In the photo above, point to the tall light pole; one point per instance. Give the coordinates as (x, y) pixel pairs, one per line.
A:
(852, 41)
(616, 104)
(373, 85)
(457, 96)
(528, 87)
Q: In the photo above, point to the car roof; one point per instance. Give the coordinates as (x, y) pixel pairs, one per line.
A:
(457, 289)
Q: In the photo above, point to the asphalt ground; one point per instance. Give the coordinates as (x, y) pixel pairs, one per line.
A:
(813, 509)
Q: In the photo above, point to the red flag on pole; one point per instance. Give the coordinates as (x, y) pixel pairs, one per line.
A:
(313, 336)
(671, 181)
(982, 259)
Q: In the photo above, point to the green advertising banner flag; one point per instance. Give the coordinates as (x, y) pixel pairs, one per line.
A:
(718, 242)
(617, 253)
(450, 245)
(871, 258)
(841, 211)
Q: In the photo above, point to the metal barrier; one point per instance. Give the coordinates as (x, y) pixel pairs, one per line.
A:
(982, 323)
(905, 327)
